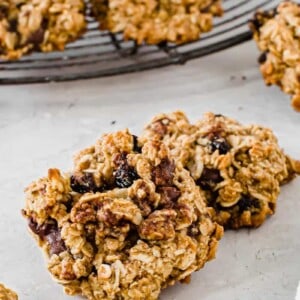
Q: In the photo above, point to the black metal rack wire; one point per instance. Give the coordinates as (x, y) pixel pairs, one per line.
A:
(100, 53)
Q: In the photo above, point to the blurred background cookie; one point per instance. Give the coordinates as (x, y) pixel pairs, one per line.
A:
(278, 37)
(156, 21)
(7, 294)
(44, 25)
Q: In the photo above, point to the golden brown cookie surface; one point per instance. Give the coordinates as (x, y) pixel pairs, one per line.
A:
(127, 222)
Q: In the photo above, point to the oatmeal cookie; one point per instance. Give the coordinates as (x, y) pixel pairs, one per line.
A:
(7, 294)
(44, 25)
(156, 21)
(277, 35)
(127, 222)
(239, 167)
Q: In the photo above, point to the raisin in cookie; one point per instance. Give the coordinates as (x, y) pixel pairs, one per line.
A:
(7, 294)
(277, 35)
(239, 167)
(127, 222)
(44, 25)
(156, 21)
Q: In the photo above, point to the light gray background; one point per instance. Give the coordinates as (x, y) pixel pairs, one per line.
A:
(41, 126)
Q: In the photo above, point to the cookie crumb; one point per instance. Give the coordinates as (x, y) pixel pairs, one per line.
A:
(7, 294)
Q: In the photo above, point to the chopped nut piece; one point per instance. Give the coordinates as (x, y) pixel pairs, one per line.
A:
(169, 196)
(104, 271)
(159, 225)
(163, 173)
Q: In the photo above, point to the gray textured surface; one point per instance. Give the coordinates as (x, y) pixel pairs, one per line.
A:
(42, 126)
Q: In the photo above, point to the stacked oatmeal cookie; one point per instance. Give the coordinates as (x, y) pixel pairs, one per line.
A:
(138, 214)
(156, 21)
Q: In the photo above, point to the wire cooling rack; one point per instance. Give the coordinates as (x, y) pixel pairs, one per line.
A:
(100, 53)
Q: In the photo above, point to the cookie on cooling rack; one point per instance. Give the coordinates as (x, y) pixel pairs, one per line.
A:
(45, 25)
(239, 167)
(156, 21)
(277, 35)
(7, 294)
(126, 223)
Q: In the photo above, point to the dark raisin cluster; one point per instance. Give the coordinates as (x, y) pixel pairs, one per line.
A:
(209, 178)
(83, 183)
(125, 175)
(246, 202)
(219, 143)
